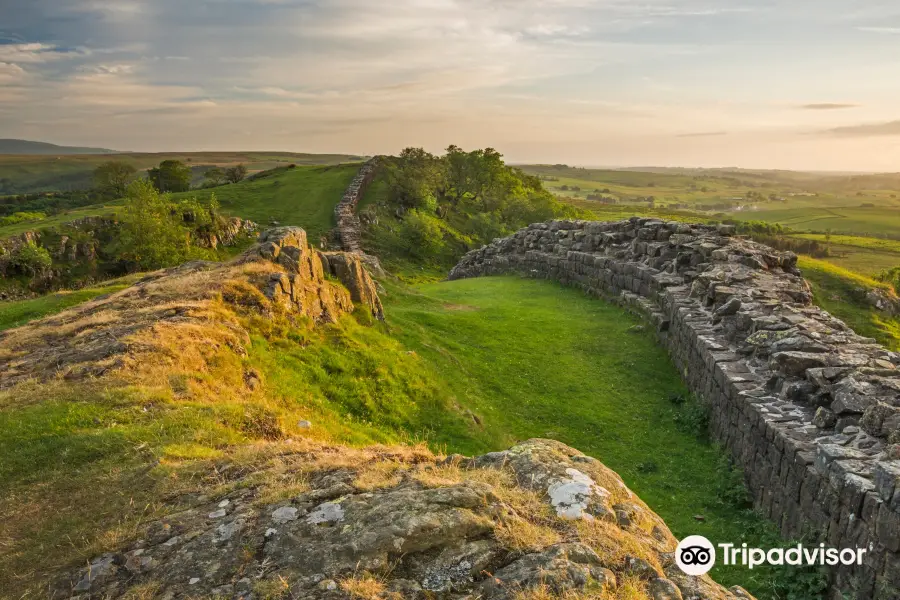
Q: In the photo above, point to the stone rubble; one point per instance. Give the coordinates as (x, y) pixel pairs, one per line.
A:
(808, 408)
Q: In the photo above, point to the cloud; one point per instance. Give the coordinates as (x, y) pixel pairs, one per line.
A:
(702, 134)
(34, 52)
(866, 130)
(889, 30)
(828, 106)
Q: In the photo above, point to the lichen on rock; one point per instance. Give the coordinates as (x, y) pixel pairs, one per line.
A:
(431, 534)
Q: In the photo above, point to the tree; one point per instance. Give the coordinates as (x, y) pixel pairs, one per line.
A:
(416, 177)
(111, 178)
(152, 236)
(215, 176)
(171, 176)
(236, 173)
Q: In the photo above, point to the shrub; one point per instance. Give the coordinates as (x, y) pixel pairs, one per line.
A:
(29, 259)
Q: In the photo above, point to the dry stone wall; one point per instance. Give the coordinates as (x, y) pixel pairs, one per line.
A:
(809, 409)
(348, 223)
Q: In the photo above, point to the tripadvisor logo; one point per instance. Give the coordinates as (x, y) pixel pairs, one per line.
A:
(696, 555)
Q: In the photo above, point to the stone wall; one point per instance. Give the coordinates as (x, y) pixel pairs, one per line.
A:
(807, 408)
(348, 223)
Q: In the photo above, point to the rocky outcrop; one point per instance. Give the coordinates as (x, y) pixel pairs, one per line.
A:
(228, 233)
(84, 251)
(402, 523)
(199, 301)
(809, 409)
(349, 269)
(299, 287)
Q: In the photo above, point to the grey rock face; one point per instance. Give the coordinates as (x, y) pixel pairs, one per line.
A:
(420, 540)
(787, 383)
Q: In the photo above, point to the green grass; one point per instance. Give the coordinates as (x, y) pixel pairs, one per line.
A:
(852, 220)
(106, 209)
(534, 359)
(304, 196)
(14, 314)
(842, 293)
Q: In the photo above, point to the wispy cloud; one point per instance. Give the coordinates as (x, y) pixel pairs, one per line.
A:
(828, 106)
(702, 134)
(889, 30)
(866, 130)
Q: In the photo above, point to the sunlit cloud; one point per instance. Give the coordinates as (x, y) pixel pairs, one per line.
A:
(866, 130)
(828, 106)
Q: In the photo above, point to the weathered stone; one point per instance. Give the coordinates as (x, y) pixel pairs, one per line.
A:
(421, 541)
(824, 418)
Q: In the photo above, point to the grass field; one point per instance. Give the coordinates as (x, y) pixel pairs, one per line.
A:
(34, 173)
(856, 205)
(449, 352)
(604, 390)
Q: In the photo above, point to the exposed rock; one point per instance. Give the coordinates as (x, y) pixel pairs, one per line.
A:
(348, 268)
(422, 537)
(280, 274)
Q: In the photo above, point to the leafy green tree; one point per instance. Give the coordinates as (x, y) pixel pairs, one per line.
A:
(472, 175)
(111, 178)
(236, 174)
(215, 176)
(171, 176)
(415, 178)
(151, 235)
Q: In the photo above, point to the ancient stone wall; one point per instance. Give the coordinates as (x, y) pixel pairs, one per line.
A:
(807, 408)
(348, 224)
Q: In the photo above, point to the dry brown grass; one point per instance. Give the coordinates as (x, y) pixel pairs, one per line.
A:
(367, 587)
(615, 544)
(523, 535)
(629, 588)
(379, 475)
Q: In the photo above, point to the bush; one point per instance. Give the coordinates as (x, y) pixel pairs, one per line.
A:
(422, 235)
(29, 259)
(22, 217)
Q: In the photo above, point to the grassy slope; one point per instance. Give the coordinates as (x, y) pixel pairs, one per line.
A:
(448, 349)
(839, 291)
(14, 314)
(305, 196)
(49, 173)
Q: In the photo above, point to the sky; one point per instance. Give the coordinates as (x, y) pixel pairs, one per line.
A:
(792, 84)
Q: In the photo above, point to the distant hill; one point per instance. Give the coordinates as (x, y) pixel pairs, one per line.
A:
(29, 147)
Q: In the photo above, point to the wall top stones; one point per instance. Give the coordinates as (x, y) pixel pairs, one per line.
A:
(800, 399)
